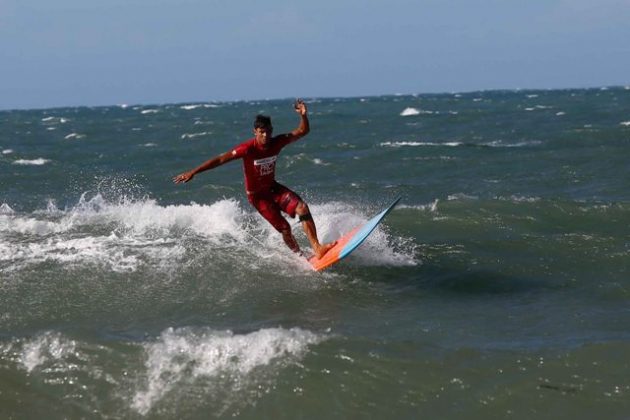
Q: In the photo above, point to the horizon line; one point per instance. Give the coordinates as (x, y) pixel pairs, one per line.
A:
(464, 92)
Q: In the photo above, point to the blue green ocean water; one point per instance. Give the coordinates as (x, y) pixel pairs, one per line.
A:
(498, 288)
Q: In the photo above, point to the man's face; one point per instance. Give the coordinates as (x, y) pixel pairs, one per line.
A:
(263, 135)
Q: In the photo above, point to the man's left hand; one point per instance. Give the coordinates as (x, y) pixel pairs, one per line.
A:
(300, 107)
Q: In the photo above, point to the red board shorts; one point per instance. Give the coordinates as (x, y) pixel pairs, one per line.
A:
(270, 203)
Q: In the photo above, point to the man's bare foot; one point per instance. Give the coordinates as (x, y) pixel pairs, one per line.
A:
(323, 249)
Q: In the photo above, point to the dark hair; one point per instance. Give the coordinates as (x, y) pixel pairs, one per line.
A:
(262, 121)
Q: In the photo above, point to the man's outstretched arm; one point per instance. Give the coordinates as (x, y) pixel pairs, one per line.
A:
(207, 165)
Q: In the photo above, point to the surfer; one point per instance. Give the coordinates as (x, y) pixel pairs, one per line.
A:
(269, 197)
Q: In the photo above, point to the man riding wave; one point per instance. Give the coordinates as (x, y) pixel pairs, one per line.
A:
(269, 197)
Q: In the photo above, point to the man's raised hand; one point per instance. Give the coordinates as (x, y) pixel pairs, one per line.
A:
(300, 107)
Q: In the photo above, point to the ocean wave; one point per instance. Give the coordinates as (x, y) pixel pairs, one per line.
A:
(223, 362)
(184, 355)
(7, 151)
(129, 235)
(625, 123)
(380, 248)
(408, 112)
(190, 107)
(203, 122)
(33, 162)
(419, 143)
(538, 107)
(519, 199)
(496, 143)
(52, 356)
(289, 161)
(149, 111)
(501, 143)
(6, 209)
(431, 207)
(193, 135)
(318, 161)
(76, 136)
(45, 348)
(461, 197)
(55, 120)
(121, 237)
(110, 252)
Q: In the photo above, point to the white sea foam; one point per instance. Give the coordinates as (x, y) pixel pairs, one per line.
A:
(625, 123)
(149, 145)
(190, 107)
(193, 135)
(7, 151)
(496, 143)
(144, 217)
(520, 199)
(184, 355)
(44, 348)
(534, 108)
(418, 143)
(55, 120)
(126, 236)
(318, 161)
(407, 112)
(431, 207)
(34, 162)
(461, 197)
(560, 113)
(76, 136)
(6, 209)
(149, 111)
(501, 143)
(132, 233)
(335, 219)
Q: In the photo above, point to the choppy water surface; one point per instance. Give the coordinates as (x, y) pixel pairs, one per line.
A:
(498, 288)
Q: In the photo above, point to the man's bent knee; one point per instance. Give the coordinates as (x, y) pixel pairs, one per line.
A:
(301, 208)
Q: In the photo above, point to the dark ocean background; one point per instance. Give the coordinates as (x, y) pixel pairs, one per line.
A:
(498, 288)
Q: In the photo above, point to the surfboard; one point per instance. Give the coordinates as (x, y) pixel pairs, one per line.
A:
(350, 241)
